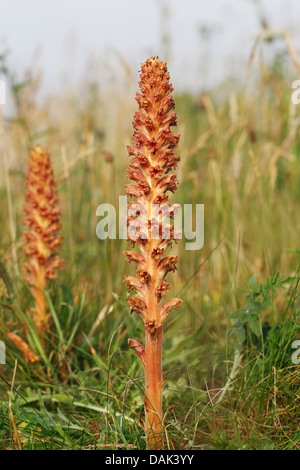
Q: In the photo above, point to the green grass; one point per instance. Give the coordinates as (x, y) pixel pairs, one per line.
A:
(227, 352)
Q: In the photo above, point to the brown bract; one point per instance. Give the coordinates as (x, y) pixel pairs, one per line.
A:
(28, 354)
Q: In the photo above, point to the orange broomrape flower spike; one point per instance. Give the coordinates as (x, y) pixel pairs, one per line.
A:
(152, 160)
(41, 241)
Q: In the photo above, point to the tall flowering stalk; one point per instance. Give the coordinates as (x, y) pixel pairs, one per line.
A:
(152, 160)
(41, 240)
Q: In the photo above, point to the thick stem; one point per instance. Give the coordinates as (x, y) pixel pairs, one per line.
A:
(40, 311)
(153, 399)
(153, 361)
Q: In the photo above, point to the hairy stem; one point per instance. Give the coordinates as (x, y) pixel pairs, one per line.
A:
(153, 399)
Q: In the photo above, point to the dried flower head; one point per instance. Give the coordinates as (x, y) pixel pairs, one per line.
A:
(150, 169)
(41, 240)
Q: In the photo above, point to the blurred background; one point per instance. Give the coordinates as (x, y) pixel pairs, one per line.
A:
(204, 42)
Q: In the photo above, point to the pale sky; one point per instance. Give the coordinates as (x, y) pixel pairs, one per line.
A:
(59, 36)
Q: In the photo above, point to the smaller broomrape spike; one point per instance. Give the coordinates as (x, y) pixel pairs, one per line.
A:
(152, 160)
(41, 241)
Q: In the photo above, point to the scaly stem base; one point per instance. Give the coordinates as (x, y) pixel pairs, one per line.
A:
(154, 384)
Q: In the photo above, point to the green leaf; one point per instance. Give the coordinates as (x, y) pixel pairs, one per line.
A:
(254, 325)
(241, 334)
